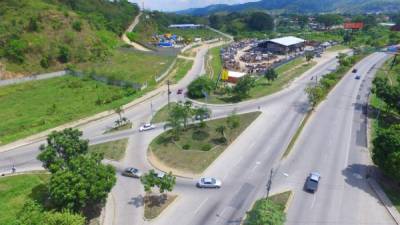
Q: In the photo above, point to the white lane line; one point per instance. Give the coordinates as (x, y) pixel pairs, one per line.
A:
(313, 201)
(199, 207)
(255, 167)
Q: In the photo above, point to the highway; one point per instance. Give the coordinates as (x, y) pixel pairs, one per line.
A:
(331, 143)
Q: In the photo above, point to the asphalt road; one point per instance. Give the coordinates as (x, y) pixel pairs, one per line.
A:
(244, 167)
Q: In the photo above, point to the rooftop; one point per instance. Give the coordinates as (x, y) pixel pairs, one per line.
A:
(287, 41)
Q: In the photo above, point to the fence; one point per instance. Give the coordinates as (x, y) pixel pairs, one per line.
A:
(32, 78)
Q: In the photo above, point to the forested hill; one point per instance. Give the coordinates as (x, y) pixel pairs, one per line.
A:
(303, 6)
(46, 35)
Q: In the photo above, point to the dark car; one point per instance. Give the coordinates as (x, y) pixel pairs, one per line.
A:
(312, 182)
(354, 71)
(202, 117)
(358, 77)
(179, 92)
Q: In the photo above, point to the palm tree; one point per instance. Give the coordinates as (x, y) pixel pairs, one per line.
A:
(221, 129)
(119, 110)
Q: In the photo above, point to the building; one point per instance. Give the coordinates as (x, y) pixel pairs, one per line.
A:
(395, 28)
(234, 77)
(283, 45)
(353, 26)
(185, 26)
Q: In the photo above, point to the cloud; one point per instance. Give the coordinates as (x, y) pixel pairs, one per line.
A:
(173, 5)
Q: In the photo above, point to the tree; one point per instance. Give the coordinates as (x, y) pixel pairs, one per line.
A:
(315, 94)
(271, 74)
(309, 56)
(243, 87)
(265, 212)
(328, 20)
(33, 25)
(15, 50)
(388, 93)
(187, 112)
(221, 130)
(177, 115)
(233, 121)
(164, 183)
(260, 21)
(197, 88)
(216, 21)
(149, 180)
(63, 54)
(77, 25)
(302, 20)
(386, 151)
(61, 148)
(202, 113)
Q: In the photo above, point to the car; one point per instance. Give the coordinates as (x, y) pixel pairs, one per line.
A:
(354, 71)
(180, 91)
(209, 182)
(312, 182)
(358, 77)
(146, 127)
(160, 175)
(200, 117)
(132, 172)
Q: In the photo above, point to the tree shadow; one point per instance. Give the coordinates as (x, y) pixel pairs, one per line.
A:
(40, 194)
(155, 200)
(301, 107)
(200, 135)
(137, 201)
(357, 176)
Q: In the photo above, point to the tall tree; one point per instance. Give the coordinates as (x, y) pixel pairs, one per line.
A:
(243, 87)
(260, 21)
(315, 94)
(271, 74)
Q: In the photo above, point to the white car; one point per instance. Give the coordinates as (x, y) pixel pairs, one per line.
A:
(132, 172)
(147, 126)
(209, 182)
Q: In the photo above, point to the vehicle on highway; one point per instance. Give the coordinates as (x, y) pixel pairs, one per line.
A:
(312, 182)
(204, 116)
(179, 92)
(209, 182)
(146, 127)
(358, 77)
(132, 172)
(354, 71)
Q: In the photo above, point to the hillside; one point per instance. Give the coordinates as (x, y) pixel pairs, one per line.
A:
(303, 6)
(46, 35)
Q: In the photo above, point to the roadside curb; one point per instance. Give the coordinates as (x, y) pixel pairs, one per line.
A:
(28, 172)
(384, 200)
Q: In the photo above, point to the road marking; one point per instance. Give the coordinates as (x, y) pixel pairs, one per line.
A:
(255, 167)
(313, 201)
(201, 204)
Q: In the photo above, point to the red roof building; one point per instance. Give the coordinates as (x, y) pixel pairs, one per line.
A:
(353, 26)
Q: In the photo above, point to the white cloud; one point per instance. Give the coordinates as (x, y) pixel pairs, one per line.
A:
(173, 5)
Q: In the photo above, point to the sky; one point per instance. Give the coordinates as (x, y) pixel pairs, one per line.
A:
(174, 5)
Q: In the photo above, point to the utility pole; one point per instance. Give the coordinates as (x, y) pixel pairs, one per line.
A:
(269, 183)
(169, 92)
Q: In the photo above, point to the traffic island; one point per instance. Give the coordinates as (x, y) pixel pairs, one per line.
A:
(198, 145)
(113, 150)
(154, 205)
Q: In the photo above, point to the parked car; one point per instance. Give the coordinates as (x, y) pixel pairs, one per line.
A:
(354, 71)
(179, 92)
(132, 172)
(160, 174)
(358, 77)
(312, 182)
(146, 127)
(209, 183)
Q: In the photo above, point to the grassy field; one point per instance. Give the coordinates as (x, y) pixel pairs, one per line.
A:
(181, 68)
(203, 144)
(162, 114)
(15, 190)
(263, 87)
(214, 63)
(35, 106)
(130, 65)
(337, 48)
(113, 150)
(155, 204)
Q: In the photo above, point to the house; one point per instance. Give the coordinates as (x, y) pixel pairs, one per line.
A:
(234, 76)
(283, 45)
(353, 26)
(185, 26)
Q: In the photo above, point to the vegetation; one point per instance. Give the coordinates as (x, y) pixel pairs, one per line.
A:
(199, 87)
(163, 114)
(182, 67)
(164, 184)
(124, 126)
(214, 63)
(46, 35)
(79, 181)
(266, 212)
(113, 150)
(48, 103)
(198, 146)
(154, 205)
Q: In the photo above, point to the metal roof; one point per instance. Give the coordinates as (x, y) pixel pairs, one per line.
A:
(287, 41)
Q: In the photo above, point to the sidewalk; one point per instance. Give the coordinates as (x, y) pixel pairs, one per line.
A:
(385, 200)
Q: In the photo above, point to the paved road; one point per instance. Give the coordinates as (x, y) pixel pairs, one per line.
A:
(243, 167)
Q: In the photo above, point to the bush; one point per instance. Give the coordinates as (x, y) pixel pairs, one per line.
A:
(265, 212)
(186, 146)
(63, 54)
(197, 88)
(77, 25)
(206, 147)
(15, 50)
(45, 62)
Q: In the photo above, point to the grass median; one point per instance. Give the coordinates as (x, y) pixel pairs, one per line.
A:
(154, 205)
(113, 150)
(197, 147)
(162, 114)
(180, 69)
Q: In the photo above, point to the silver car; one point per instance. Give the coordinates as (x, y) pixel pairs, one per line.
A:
(132, 172)
(209, 182)
(147, 126)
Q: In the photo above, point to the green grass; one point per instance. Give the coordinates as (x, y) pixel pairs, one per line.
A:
(130, 65)
(15, 190)
(263, 87)
(337, 48)
(155, 204)
(162, 114)
(126, 126)
(296, 135)
(197, 158)
(181, 68)
(113, 150)
(281, 198)
(35, 106)
(214, 63)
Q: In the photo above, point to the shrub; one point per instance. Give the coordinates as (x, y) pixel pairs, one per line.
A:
(197, 88)
(186, 146)
(77, 25)
(15, 50)
(63, 54)
(206, 147)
